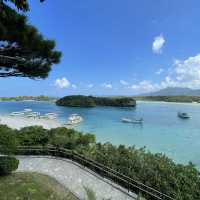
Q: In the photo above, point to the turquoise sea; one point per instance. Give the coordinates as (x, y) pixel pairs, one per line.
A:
(162, 131)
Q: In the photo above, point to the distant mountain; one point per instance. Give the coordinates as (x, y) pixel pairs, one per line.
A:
(174, 91)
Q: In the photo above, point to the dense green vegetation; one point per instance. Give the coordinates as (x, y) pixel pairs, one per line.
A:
(8, 140)
(181, 99)
(7, 165)
(32, 186)
(76, 101)
(154, 170)
(36, 135)
(27, 98)
(22, 5)
(90, 101)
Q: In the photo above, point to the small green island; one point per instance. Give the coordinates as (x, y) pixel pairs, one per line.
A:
(91, 101)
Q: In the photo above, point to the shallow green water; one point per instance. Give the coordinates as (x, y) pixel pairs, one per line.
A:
(162, 130)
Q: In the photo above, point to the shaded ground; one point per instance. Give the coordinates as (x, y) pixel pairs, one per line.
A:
(32, 186)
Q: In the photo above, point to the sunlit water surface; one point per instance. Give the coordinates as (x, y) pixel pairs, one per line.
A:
(162, 130)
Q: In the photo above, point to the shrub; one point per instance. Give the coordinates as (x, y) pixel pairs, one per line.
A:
(33, 135)
(154, 170)
(8, 141)
(63, 137)
(8, 164)
(69, 138)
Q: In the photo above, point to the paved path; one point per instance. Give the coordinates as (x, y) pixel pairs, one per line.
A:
(73, 176)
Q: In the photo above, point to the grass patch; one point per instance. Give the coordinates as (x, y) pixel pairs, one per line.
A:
(32, 186)
(90, 194)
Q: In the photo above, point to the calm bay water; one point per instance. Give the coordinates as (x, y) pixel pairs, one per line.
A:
(162, 130)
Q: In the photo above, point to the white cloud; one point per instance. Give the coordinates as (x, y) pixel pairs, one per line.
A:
(62, 83)
(90, 85)
(188, 70)
(158, 43)
(160, 71)
(74, 86)
(123, 82)
(184, 73)
(168, 82)
(145, 86)
(107, 85)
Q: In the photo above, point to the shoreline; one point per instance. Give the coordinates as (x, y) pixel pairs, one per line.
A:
(47, 101)
(168, 102)
(18, 122)
(139, 101)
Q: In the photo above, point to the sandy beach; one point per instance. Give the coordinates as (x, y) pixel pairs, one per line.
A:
(18, 122)
(169, 102)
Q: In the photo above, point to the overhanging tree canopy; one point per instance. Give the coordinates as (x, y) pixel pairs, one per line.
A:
(20, 4)
(23, 50)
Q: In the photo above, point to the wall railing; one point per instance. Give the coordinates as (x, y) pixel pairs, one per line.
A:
(104, 171)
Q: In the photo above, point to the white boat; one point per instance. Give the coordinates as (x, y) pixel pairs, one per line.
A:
(27, 110)
(195, 102)
(74, 119)
(21, 113)
(17, 114)
(51, 115)
(33, 114)
(126, 120)
(134, 121)
(183, 115)
(43, 117)
(26, 113)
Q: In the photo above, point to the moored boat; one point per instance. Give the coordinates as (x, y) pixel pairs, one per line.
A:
(183, 115)
(17, 114)
(126, 120)
(33, 114)
(134, 121)
(51, 115)
(138, 121)
(27, 110)
(74, 119)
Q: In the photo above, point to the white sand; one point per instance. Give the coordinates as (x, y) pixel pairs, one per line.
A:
(18, 122)
(165, 102)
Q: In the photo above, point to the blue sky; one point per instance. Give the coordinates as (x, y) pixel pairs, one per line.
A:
(116, 47)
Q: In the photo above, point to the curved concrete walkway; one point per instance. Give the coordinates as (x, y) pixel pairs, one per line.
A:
(74, 177)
